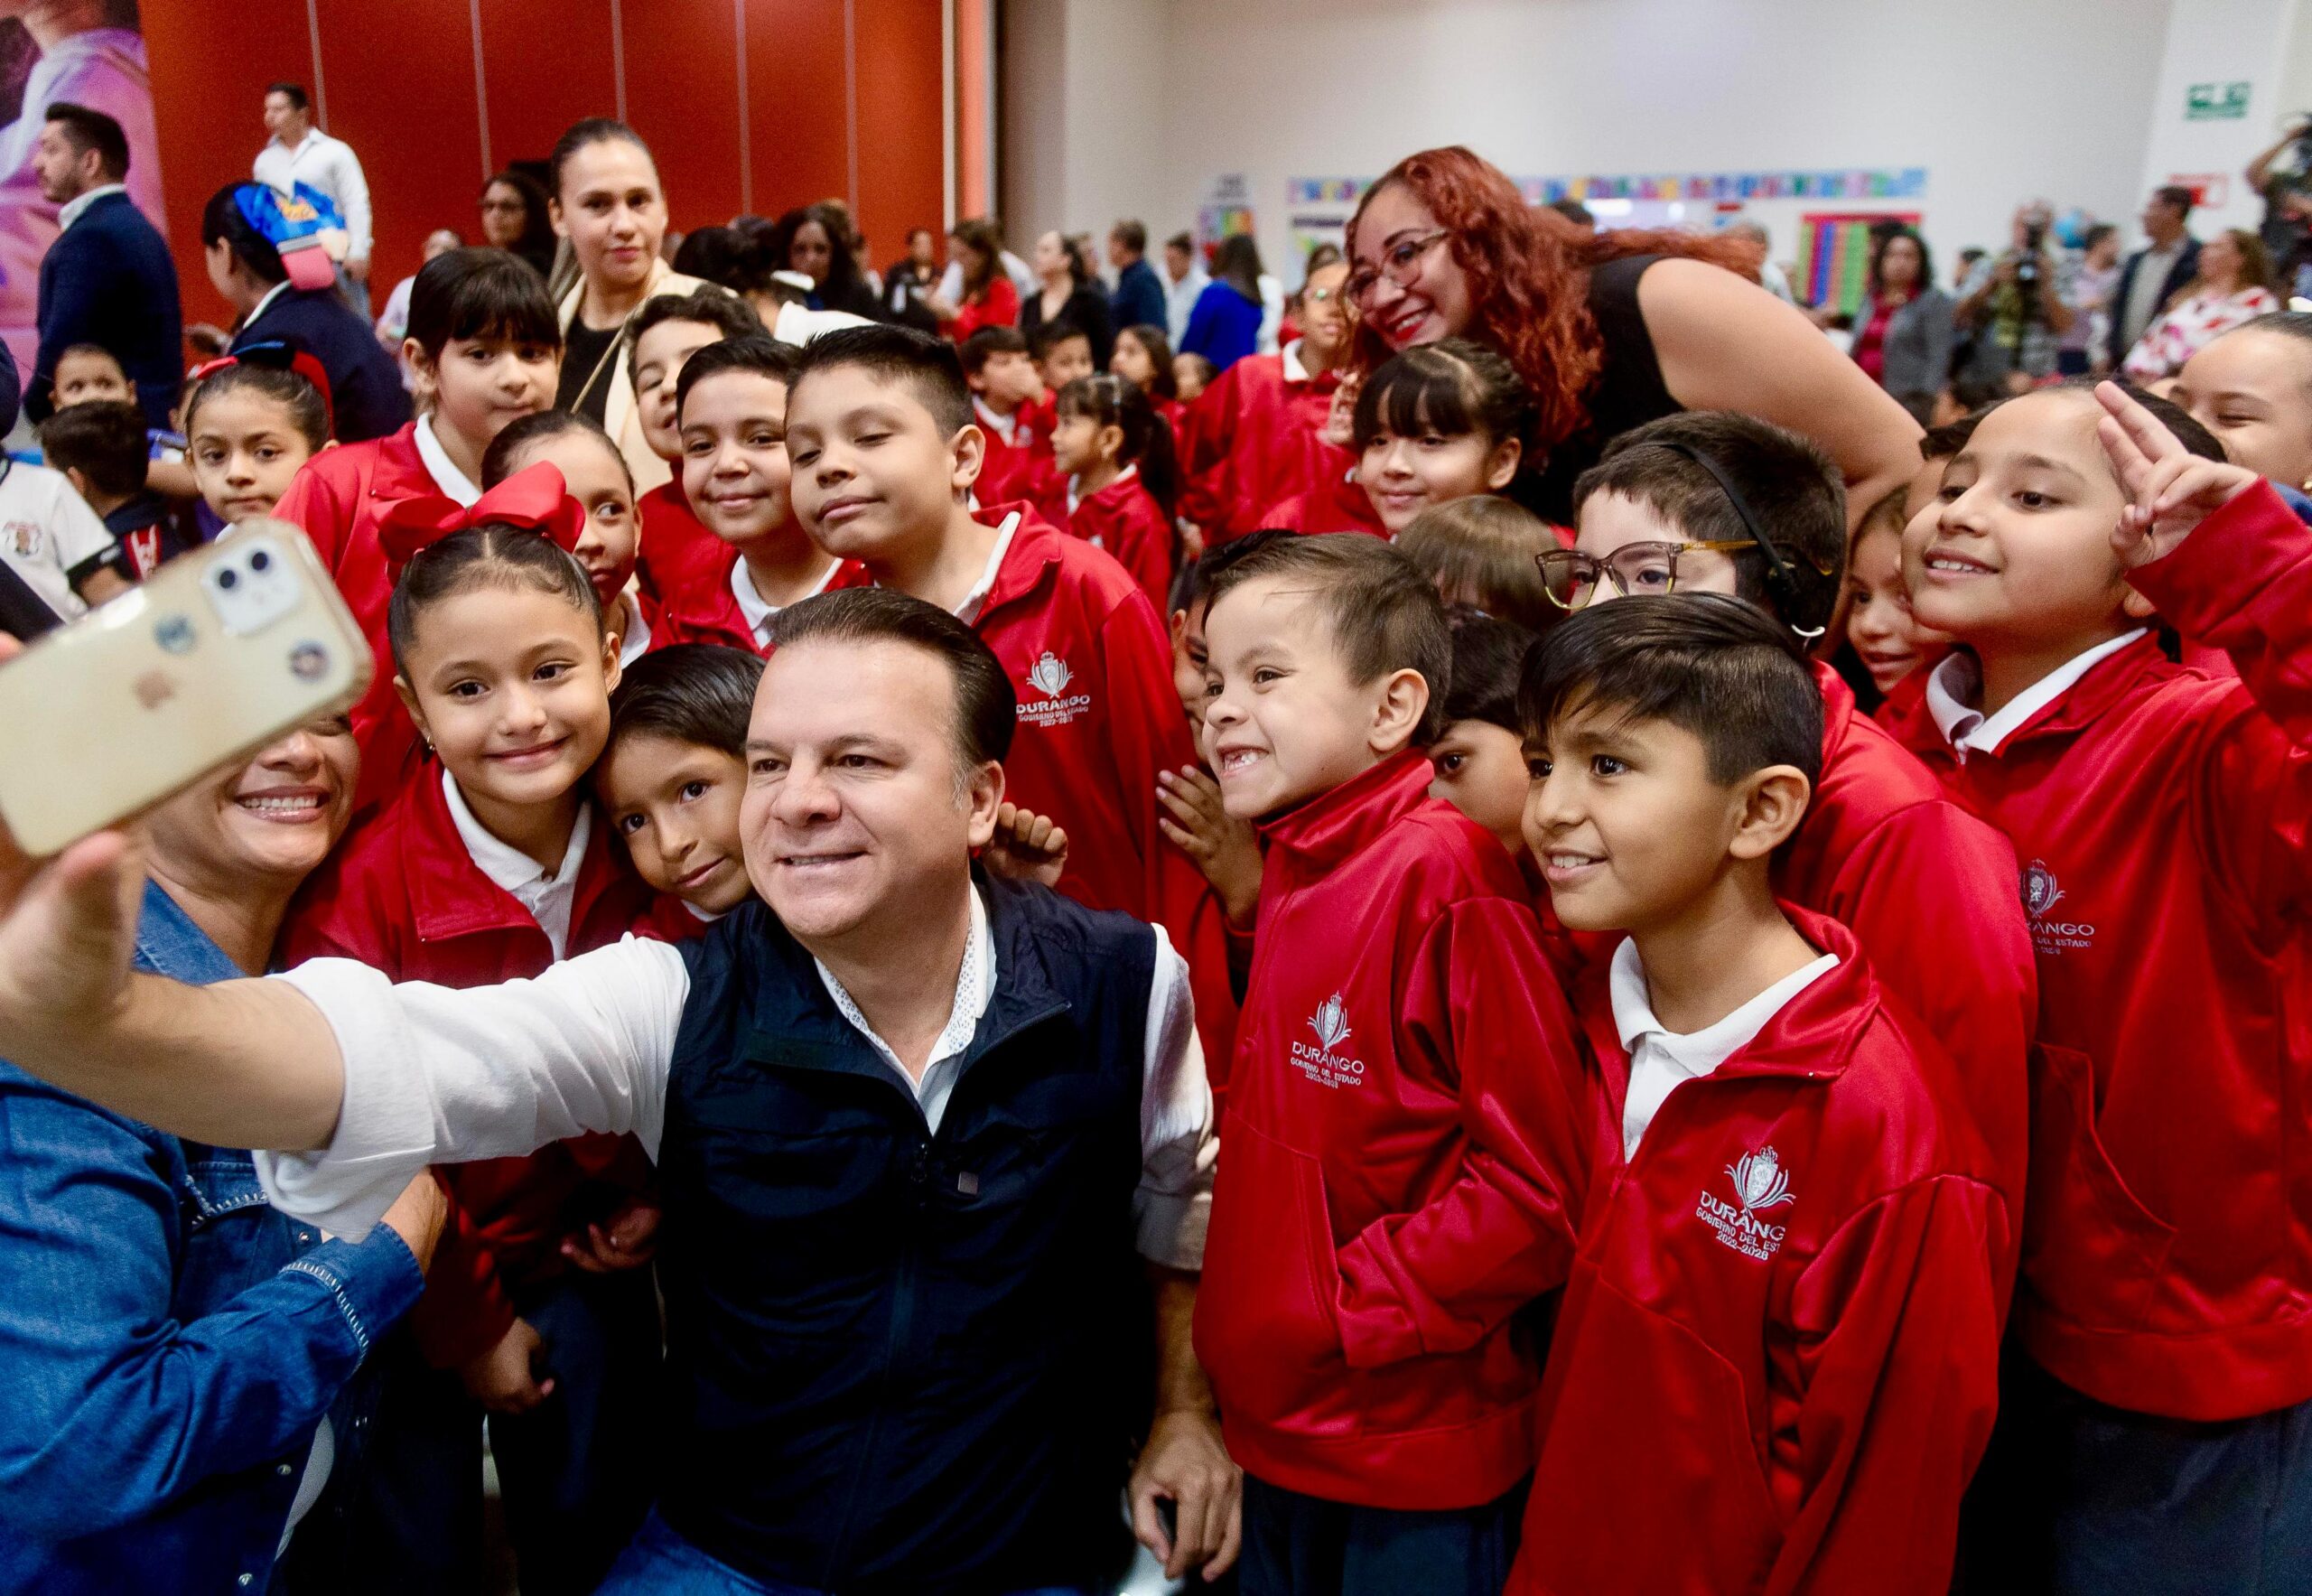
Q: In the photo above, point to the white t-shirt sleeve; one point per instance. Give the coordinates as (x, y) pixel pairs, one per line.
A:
(81, 540)
(438, 1075)
(1179, 1145)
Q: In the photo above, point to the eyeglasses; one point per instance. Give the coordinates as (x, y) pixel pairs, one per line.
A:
(1572, 578)
(1400, 263)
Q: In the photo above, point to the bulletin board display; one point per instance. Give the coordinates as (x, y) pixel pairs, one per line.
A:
(1834, 254)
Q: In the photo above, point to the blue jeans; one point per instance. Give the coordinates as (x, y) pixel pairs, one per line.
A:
(660, 1562)
(1303, 1545)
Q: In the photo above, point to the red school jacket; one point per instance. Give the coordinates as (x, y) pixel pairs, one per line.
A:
(1099, 717)
(1776, 1364)
(1341, 505)
(1252, 439)
(1930, 893)
(1021, 469)
(675, 550)
(1125, 519)
(403, 895)
(1403, 1139)
(2165, 822)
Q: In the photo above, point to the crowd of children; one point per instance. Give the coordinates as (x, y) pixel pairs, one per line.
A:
(1752, 1056)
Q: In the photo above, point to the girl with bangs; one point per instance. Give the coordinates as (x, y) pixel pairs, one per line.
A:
(1609, 331)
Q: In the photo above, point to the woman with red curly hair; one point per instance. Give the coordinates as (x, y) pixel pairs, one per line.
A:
(1609, 330)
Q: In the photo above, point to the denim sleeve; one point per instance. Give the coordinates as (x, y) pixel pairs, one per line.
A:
(115, 1407)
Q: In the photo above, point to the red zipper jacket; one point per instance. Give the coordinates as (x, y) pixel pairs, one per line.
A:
(1403, 1135)
(1929, 892)
(703, 608)
(403, 895)
(1776, 1364)
(2165, 823)
(1125, 519)
(1021, 468)
(676, 551)
(1252, 439)
(1099, 717)
(1335, 506)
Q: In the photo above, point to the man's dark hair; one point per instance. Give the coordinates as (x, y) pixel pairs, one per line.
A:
(294, 93)
(693, 693)
(990, 341)
(1489, 665)
(1708, 664)
(2178, 198)
(1182, 241)
(757, 352)
(894, 354)
(93, 130)
(480, 293)
(1382, 612)
(104, 440)
(1794, 492)
(987, 710)
(1049, 335)
(1194, 583)
(726, 312)
(1131, 235)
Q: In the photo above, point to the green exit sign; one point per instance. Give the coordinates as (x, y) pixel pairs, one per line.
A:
(2215, 102)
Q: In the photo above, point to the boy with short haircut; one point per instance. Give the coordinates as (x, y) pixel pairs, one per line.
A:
(676, 550)
(1776, 1363)
(731, 408)
(1062, 352)
(1403, 1137)
(2162, 815)
(1482, 551)
(1007, 396)
(1712, 501)
(884, 454)
(100, 447)
(1480, 754)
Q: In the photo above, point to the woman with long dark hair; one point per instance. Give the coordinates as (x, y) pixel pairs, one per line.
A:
(1903, 331)
(515, 217)
(1609, 330)
(1068, 294)
(1226, 324)
(815, 241)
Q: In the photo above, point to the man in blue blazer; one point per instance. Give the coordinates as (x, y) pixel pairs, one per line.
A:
(107, 279)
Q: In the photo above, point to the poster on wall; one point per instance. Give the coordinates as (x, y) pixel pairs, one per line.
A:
(94, 57)
(1834, 256)
(1226, 208)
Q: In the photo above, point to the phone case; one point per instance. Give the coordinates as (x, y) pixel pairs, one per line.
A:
(218, 654)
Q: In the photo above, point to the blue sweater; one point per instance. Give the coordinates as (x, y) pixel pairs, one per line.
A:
(1224, 327)
(366, 399)
(1138, 298)
(107, 280)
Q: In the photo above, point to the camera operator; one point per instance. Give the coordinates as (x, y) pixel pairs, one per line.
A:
(2011, 310)
(2282, 174)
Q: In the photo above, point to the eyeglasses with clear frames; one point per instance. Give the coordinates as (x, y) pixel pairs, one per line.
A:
(1571, 577)
(1400, 261)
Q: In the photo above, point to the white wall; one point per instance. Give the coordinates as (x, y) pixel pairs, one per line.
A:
(2265, 43)
(2000, 100)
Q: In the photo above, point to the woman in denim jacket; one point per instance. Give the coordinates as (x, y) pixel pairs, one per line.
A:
(172, 1348)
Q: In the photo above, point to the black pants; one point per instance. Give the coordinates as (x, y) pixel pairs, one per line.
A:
(1303, 1545)
(575, 1475)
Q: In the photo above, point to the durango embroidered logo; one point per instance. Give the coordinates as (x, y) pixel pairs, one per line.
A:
(1055, 707)
(2041, 894)
(1760, 1182)
(1325, 1064)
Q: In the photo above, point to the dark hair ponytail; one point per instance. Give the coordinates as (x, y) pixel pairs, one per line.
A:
(1109, 400)
(494, 554)
(590, 130)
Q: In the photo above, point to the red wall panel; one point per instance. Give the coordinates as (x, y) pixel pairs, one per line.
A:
(902, 171)
(682, 95)
(548, 62)
(796, 103)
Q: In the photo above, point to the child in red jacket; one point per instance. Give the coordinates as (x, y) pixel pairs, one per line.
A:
(1777, 1361)
(884, 455)
(1116, 456)
(2163, 818)
(1402, 1132)
(676, 551)
(1006, 393)
(490, 869)
(1715, 502)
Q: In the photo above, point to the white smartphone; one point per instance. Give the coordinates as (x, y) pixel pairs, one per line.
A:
(217, 654)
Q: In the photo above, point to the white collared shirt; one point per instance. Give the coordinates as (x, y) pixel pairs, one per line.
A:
(634, 641)
(975, 985)
(455, 484)
(1660, 1059)
(262, 305)
(758, 611)
(548, 896)
(443, 1074)
(1295, 369)
(74, 209)
(976, 600)
(1958, 680)
(1000, 425)
(327, 164)
(1075, 497)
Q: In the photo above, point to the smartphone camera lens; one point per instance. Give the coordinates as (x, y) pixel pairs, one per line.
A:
(228, 579)
(260, 560)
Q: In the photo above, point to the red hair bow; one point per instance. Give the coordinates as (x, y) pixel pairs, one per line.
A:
(535, 498)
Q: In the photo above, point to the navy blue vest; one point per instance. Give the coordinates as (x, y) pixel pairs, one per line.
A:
(908, 1362)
